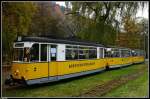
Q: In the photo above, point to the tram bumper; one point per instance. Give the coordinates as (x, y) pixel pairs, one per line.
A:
(11, 81)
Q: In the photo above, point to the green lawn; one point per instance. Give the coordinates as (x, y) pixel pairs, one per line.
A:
(76, 86)
(135, 88)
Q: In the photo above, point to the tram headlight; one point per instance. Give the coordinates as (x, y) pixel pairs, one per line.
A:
(16, 72)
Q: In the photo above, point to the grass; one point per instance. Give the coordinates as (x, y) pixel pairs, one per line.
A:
(135, 88)
(71, 87)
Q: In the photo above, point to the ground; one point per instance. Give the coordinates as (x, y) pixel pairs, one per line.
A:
(131, 81)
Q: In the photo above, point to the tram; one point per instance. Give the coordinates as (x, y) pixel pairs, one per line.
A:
(41, 59)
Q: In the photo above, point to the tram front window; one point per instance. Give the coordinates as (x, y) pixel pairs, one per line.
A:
(34, 53)
(21, 54)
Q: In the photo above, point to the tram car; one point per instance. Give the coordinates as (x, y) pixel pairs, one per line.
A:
(41, 59)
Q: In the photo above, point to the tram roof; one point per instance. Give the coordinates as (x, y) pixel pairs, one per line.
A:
(61, 41)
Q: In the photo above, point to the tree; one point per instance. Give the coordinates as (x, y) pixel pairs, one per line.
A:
(143, 25)
(46, 21)
(16, 18)
(105, 17)
(136, 32)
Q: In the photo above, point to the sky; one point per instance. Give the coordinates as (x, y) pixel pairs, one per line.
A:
(139, 13)
(61, 3)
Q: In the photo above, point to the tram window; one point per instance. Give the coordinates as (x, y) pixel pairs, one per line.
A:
(93, 53)
(101, 53)
(125, 53)
(18, 54)
(43, 52)
(26, 54)
(82, 54)
(122, 54)
(87, 54)
(128, 53)
(68, 54)
(108, 52)
(116, 54)
(53, 52)
(134, 53)
(35, 53)
(142, 53)
(75, 47)
(74, 52)
(68, 47)
(71, 54)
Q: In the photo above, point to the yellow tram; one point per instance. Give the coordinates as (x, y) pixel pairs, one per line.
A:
(40, 59)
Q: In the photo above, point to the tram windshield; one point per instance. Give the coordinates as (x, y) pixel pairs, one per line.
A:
(21, 54)
(28, 54)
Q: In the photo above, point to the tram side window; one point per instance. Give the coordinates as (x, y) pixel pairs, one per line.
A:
(35, 52)
(101, 53)
(74, 52)
(53, 52)
(26, 54)
(134, 53)
(93, 53)
(83, 53)
(125, 53)
(43, 52)
(86, 54)
(18, 54)
(71, 53)
(116, 54)
(68, 54)
(128, 54)
(108, 52)
(142, 53)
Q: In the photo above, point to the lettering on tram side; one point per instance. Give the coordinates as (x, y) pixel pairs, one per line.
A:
(79, 65)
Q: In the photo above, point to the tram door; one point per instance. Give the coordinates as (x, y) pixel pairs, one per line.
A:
(52, 54)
